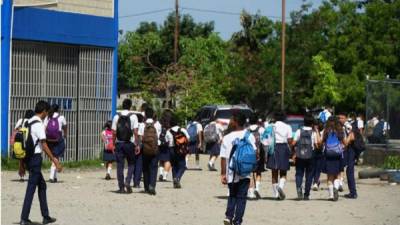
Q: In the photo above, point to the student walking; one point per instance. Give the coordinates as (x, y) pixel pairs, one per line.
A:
(318, 158)
(195, 131)
(305, 142)
(213, 134)
(149, 137)
(56, 132)
(35, 145)
(238, 184)
(278, 160)
(107, 138)
(125, 129)
(164, 149)
(178, 139)
(138, 168)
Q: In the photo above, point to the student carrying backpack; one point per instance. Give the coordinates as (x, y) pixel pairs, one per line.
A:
(180, 142)
(124, 130)
(211, 133)
(304, 147)
(243, 159)
(195, 131)
(150, 140)
(107, 137)
(333, 146)
(24, 146)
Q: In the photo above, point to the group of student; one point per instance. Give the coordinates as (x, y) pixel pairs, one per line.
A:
(331, 147)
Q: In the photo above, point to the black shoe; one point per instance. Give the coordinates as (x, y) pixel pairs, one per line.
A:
(47, 220)
(282, 195)
(161, 178)
(306, 198)
(177, 184)
(340, 188)
(128, 188)
(335, 194)
(108, 177)
(151, 191)
(121, 191)
(351, 196)
(258, 196)
(209, 167)
(26, 222)
(299, 194)
(136, 186)
(53, 181)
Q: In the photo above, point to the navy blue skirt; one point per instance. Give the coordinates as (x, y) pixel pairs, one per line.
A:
(193, 148)
(165, 154)
(57, 148)
(108, 156)
(213, 148)
(280, 159)
(261, 162)
(333, 166)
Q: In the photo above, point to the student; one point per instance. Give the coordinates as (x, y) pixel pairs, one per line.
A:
(334, 133)
(195, 131)
(318, 158)
(34, 165)
(56, 132)
(213, 134)
(164, 149)
(347, 128)
(360, 122)
(278, 162)
(22, 123)
(137, 172)
(109, 148)
(178, 139)
(306, 141)
(238, 186)
(125, 127)
(149, 137)
(257, 130)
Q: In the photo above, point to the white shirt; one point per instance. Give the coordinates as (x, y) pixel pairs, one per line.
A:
(283, 132)
(260, 129)
(134, 122)
(170, 137)
(226, 148)
(38, 132)
(61, 121)
(313, 136)
(360, 123)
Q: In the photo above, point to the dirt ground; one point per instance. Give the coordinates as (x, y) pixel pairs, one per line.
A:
(84, 197)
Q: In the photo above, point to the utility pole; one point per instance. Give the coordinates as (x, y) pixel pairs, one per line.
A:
(283, 56)
(176, 38)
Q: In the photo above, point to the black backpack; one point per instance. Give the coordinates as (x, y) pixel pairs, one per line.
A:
(359, 144)
(30, 145)
(124, 130)
(163, 138)
(304, 148)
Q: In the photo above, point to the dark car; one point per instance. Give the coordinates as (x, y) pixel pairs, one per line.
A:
(296, 122)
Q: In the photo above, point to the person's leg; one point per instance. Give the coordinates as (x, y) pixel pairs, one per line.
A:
(42, 196)
(309, 170)
(120, 159)
(197, 157)
(318, 164)
(275, 193)
(130, 158)
(167, 169)
(34, 177)
(181, 167)
(241, 199)
(153, 172)
(146, 172)
(174, 165)
(52, 171)
(350, 174)
(299, 179)
(231, 206)
(331, 179)
(138, 170)
(282, 182)
(252, 185)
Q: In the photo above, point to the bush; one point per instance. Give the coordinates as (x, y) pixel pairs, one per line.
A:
(392, 162)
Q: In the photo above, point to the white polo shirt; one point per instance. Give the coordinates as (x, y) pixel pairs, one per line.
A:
(283, 132)
(134, 122)
(170, 137)
(38, 132)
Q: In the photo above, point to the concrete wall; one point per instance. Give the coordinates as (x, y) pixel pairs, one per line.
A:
(375, 156)
(90, 7)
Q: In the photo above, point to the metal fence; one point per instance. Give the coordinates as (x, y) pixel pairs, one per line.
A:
(78, 78)
(383, 104)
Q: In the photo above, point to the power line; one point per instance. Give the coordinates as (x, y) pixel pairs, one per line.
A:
(146, 13)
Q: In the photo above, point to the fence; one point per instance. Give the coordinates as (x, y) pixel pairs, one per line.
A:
(78, 78)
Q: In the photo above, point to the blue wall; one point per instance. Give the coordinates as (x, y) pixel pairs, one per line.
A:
(33, 24)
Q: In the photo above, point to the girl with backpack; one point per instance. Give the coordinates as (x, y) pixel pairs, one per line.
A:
(335, 142)
(278, 160)
(213, 134)
(164, 155)
(109, 148)
(56, 133)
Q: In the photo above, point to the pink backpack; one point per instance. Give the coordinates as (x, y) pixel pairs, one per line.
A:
(109, 141)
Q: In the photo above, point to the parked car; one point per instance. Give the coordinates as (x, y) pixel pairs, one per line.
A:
(221, 113)
(296, 122)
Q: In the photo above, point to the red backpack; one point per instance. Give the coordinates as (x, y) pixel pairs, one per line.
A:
(109, 141)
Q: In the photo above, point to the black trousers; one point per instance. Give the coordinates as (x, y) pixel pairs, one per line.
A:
(150, 166)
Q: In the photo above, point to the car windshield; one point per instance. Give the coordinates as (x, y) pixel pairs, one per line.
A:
(295, 124)
(227, 113)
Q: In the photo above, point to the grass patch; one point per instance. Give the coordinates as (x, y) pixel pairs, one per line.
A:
(392, 162)
(8, 164)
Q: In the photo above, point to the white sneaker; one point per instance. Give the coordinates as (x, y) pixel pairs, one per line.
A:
(315, 187)
(251, 195)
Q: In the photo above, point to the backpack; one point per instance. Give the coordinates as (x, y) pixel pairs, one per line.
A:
(322, 117)
(124, 130)
(24, 147)
(181, 142)
(192, 131)
(359, 144)
(304, 148)
(150, 140)
(210, 133)
(109, 145)
(333, 146)
(268, 139)
(377, 132)
(243, 157)
(163, 138)
(53, 132)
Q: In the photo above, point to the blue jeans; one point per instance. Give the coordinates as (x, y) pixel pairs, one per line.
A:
(304, 167)
(35, 180)
(351, 181)
(124, 150)
(318, 164)
(150, 164)
(237, 200)
(178, 163)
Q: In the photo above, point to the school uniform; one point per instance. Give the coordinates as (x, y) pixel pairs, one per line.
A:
(318, 164)
(36, 179)
(125, 150)
(58, 147)
(334, 165)
(279, 160)
(150, 163)
(178, 161)
(138, 169)
(214, 147)
(304, 167)
(108, 156)
(238, 186)
(193, 146)
(261, 161)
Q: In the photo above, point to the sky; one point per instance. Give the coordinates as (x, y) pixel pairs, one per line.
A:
(132, 12)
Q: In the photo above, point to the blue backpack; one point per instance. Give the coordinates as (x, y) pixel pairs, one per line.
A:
(268, 139)
(322, 117)
(243, 160)
(333, 146)
(192, 131)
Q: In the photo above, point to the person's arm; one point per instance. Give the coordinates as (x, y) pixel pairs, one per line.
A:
(223, 171)
(137, 148)
(50, 155)
(348, 139)
(65, 130)
(318, 139)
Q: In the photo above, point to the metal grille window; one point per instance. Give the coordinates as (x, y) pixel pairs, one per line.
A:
(78, 78)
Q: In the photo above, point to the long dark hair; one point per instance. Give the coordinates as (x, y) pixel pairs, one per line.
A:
(333, 125)
(166, 119)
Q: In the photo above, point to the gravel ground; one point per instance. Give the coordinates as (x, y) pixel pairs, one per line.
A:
(84, 197)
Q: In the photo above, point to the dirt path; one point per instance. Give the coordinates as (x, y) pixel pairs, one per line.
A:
(86, 198)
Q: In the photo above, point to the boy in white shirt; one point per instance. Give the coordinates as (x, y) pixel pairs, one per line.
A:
(238, 186)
